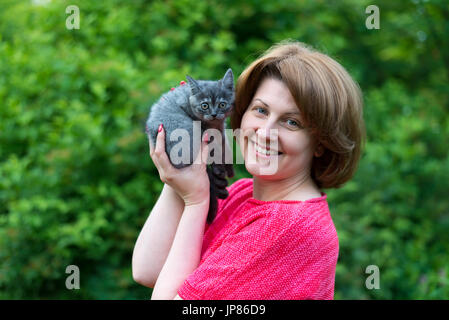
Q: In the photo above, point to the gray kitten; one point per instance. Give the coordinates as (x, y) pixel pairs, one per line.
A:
(209, 102)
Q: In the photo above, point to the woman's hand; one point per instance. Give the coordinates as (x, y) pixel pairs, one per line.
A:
(191, 183)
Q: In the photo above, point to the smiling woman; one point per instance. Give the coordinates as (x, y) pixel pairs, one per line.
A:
(273, 110)
(273, 236)
(329, 103)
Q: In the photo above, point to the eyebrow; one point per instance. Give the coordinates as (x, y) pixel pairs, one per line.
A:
(292, 112)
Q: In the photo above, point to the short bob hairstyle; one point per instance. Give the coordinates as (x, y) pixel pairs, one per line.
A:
(329, 100)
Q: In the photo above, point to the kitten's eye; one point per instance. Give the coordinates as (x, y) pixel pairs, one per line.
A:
(222, 104)
(204, 105)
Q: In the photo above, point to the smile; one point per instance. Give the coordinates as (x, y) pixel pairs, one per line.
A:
(264, 152)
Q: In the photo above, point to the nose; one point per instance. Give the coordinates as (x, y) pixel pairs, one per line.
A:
(267, 135)
(214, 115)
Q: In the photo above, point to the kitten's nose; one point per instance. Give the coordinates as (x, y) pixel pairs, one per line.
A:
(214, 115)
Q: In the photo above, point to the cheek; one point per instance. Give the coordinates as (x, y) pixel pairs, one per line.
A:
(298, 145)
(249, 124)
(244, 122)
(245, 132)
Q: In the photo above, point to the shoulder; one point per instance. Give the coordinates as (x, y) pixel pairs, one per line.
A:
(305, 223)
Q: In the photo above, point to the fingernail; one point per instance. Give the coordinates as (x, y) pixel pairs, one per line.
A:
(206, 137)
(172, 89)
(160, 128)
(182, 83)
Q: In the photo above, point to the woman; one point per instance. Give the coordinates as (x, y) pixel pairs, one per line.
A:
(273, 237)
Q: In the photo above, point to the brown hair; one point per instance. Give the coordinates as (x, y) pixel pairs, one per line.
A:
(329, 100)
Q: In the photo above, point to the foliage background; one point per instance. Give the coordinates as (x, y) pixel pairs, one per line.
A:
(76, 181)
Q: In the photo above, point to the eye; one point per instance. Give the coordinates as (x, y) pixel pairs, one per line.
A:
(259, 108)
(204, 105)
(222, 104)
(295, 123)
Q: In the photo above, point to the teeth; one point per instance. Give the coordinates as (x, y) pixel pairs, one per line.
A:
(265, 151)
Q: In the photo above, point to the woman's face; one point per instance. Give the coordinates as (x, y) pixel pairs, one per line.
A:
(273, 110)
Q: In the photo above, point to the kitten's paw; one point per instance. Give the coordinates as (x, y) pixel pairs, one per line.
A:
(222, 193)
(229, 170)
(221, 183)
(219, 171)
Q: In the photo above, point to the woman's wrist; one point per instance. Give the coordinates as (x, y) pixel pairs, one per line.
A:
(173, 194)
(201, 202)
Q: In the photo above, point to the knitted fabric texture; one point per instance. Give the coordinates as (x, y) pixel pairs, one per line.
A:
(270, 250)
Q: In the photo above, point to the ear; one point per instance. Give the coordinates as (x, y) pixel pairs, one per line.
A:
(194, 87)
(228, 80)
(319, 151)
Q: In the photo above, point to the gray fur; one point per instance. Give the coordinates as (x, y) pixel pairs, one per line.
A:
(178, 108)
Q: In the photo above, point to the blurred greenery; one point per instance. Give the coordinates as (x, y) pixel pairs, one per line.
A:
(76, 181)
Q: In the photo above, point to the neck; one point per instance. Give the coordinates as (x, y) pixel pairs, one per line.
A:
(216, 124)
(293, 188)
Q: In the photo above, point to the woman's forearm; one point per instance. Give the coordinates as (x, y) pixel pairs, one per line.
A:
(185, 253)
(156, 237)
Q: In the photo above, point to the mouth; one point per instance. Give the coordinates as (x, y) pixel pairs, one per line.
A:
(265, 153)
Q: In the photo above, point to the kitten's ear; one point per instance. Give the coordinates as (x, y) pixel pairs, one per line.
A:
(194, 87)
(228, 80)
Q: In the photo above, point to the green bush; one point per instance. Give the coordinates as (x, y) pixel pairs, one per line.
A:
(76, 181)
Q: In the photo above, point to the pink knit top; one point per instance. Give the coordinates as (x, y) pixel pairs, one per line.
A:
(255, 249)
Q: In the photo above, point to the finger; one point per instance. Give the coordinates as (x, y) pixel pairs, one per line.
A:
(152, 154)
(156, 147)
(161, 156)
(204, 149)
(160, 141)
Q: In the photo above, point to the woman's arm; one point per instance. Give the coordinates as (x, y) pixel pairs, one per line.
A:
(185, 253)
(158, 234)
(156, 237)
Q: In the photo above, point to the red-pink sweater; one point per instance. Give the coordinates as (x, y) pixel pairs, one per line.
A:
(255, 249)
